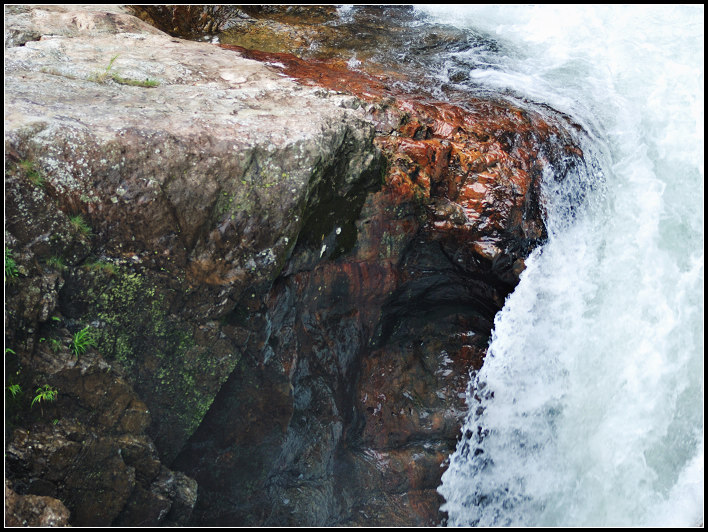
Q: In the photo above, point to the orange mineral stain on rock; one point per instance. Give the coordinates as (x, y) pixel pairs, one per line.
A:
(468, 175)
(487, 156)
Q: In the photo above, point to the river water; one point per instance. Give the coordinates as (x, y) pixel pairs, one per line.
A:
(588, 410)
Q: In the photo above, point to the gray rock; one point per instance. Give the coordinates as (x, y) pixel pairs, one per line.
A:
(31, 23)
(224, 152)
(193, 171)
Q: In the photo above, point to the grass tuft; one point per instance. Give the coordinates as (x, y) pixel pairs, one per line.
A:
(57, 263)
(10, 265)
(32, 173)
(101, 266)
(106, 75)
(80, 225)
(82, 340)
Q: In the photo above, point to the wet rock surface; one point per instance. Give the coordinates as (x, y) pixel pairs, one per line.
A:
(86, 447)
(33, 510)
(289, 266)
(397, 324)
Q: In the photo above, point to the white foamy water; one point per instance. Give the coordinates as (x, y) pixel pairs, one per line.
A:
(589, 409)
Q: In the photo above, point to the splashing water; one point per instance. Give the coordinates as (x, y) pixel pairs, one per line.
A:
(588, 410)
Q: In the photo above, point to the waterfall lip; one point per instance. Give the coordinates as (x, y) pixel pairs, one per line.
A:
(615, 263)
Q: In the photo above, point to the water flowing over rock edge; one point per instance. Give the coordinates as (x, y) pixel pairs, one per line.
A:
(276, 434)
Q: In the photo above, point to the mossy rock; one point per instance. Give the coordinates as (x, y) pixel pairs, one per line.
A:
(175, 366)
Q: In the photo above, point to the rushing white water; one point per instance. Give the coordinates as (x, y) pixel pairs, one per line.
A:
(589, 406)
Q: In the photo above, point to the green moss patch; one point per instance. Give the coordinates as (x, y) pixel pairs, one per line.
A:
(175, 371)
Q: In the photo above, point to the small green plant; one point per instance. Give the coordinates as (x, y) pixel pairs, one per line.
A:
(110, 63)
(56, 263)
(101, 266)
(101, 77)
(80, 225)
(82, 340)
(44, 394)
(55, 345)
(105, 75)
(9, 351)
(10, 265)
(15, 389)
(32, 174)
(147, 83)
